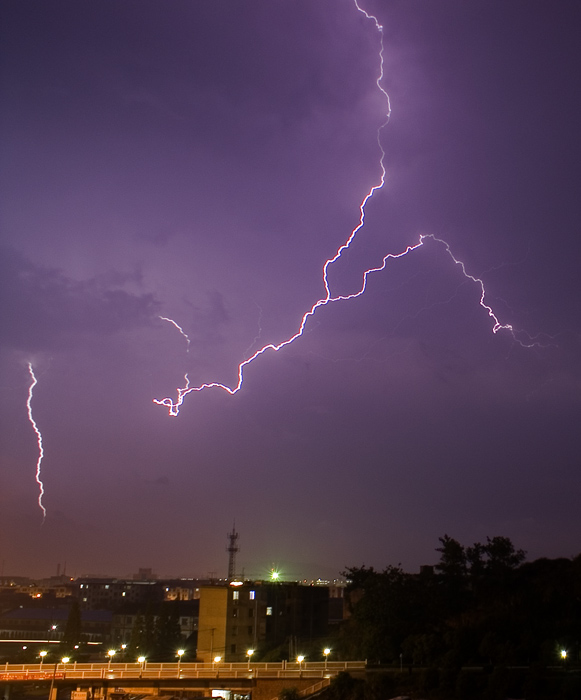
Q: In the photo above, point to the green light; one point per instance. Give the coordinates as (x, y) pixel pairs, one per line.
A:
(274, 575)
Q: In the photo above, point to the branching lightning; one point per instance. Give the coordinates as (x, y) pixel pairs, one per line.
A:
(38, 438)
(174, 406)
(180, 329)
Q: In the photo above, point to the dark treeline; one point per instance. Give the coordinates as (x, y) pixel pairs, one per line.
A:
(481, 604)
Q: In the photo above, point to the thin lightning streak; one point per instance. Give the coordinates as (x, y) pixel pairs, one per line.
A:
(498, 326)
(38, 438)
(256, 337)
(174, 407)
(180, 329)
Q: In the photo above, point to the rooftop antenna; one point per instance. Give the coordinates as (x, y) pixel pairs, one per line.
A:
(232, 549)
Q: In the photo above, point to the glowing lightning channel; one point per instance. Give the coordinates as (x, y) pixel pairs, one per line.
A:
(498, 326)
(174, 407)
(38, 438)
(180, 329)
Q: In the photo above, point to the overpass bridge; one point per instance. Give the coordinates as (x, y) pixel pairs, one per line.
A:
(230, 681)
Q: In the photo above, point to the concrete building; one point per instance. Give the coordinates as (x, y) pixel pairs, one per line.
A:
(241, 616)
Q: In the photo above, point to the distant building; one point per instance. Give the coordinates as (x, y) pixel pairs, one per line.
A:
(111, 594)
(48, 624)
(124, 621)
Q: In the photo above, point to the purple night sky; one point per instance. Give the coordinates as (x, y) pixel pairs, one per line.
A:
(201, 161)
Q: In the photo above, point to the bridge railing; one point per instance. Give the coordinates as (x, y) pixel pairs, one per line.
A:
(74, 670)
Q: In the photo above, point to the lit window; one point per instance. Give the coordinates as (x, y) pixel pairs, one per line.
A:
(269, 610)
(235, 595)
(251, 595)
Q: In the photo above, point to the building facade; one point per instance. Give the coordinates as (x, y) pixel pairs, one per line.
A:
(257, 616)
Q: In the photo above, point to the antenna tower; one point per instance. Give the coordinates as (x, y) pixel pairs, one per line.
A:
(232, 549)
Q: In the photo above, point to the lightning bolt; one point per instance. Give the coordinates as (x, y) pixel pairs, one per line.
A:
(33, 383)
(180, 329)
(174, 406)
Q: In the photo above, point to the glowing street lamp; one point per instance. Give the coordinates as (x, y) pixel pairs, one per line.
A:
(217, 660)
(563, 654)
(249, 655)
(300, 660)
(65, 660)
(111, 653)
(326, 653)
(180, 653)
(42, 654)
(141, 660)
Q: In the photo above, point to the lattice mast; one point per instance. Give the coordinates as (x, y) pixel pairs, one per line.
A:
(232, 549)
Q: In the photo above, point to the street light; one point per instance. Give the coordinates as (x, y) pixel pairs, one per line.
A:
(65, 661)
(300, 660)
(217, 660)
(563, 654)
(180, 652)
(111, 653)
(42, 655)
(249, 655)
(326, 653)
(141, 660)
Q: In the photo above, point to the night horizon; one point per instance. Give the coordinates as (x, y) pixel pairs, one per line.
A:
(174, 186)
